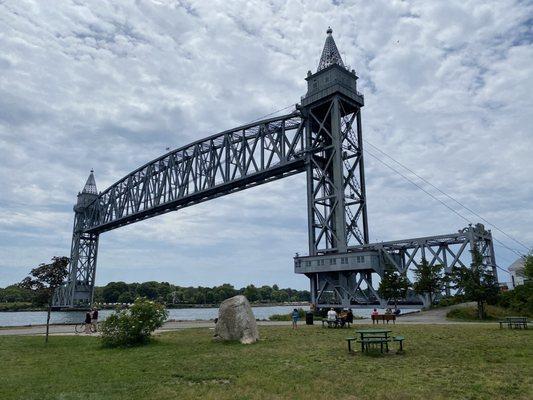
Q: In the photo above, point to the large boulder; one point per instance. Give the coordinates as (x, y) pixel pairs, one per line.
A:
(236, 321)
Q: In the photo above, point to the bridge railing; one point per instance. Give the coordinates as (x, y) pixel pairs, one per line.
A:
(214, 166)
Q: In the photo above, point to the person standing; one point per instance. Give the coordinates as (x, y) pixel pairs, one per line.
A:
(295, 317)
(88, 323)
(94, 319)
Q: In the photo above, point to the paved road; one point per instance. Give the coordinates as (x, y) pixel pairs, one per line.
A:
(436, 316)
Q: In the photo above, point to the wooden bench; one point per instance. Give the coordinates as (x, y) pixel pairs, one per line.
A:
(514, 322)
(384, 317)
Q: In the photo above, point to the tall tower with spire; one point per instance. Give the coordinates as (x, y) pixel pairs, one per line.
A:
(78, 290)
(336, 195)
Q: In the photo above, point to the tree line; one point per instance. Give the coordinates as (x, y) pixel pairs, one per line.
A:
(166, 293)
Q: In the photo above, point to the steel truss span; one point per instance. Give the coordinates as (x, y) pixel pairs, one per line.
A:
(347, 279)
(224, 163)
(322, 137)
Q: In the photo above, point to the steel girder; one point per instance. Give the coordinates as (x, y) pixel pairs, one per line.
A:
(79, 288)
(218, 165)
(335, 176)
(212, 167)
(355, 287)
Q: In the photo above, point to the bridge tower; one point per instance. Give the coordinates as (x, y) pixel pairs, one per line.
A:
(78, 290)
(336, 198)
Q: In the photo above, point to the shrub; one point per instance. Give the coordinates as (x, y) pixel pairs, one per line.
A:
(520, 299)
(132, 327)
(287, 317)
(470, 313)
(450, 301)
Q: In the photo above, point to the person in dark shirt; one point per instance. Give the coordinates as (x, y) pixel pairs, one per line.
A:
(94, 318)
(295, 315)
(349, 316)
(87, 322)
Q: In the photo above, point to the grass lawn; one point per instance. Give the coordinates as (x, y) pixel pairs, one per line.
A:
(478, 361)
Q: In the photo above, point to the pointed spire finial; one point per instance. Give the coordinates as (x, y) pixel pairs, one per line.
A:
(330, 54)
(90, 185)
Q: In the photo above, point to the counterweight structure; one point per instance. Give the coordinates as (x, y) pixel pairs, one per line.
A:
(322, 137)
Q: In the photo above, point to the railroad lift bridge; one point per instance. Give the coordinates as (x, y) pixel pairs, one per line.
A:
(321, 137)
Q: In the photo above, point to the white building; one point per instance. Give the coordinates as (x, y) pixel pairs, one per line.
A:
(517, 273)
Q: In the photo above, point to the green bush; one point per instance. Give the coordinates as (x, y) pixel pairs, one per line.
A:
(450, 301)
(17, 306)
(470, 313)
(520, 299)
(287, 317)
(132, 327)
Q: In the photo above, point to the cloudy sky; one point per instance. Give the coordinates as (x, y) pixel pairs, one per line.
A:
(110, 85)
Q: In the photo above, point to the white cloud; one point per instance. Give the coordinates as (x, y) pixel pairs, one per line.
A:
(110, 85)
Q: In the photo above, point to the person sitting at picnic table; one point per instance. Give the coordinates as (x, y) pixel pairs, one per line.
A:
(295, 315)
(388, 311)
(342, 317)
(397, 311)
(332, 315)
(375, 312)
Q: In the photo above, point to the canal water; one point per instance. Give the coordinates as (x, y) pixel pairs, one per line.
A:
(21, 318)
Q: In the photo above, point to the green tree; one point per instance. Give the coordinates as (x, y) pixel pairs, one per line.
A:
(126, 297)
(393, 286)
(528, 266)
(251, 293)
(113, 290)
(280, 296)
(478, 282)
(150, 290)
(15, 293)
(44, 280)
(428, 280)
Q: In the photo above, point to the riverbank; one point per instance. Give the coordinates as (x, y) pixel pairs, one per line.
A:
(13, 319)
(25, 307)
(440, 362)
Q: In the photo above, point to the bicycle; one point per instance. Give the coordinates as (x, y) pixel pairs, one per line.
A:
(80, 328)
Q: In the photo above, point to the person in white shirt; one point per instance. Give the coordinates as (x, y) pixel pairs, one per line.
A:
(332, 315)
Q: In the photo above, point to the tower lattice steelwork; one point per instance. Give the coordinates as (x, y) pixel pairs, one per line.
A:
(322, 137)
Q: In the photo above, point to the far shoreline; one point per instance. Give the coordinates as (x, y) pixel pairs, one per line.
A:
(172, 307)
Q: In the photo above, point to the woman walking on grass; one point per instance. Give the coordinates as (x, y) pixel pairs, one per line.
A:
(295, 317)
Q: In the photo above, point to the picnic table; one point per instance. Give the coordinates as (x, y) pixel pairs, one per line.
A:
(373, 337)
(514, 322)
(337, 323)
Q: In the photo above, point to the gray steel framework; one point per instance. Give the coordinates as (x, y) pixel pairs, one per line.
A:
(322, 137)
(218, 165)
(352, 284)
